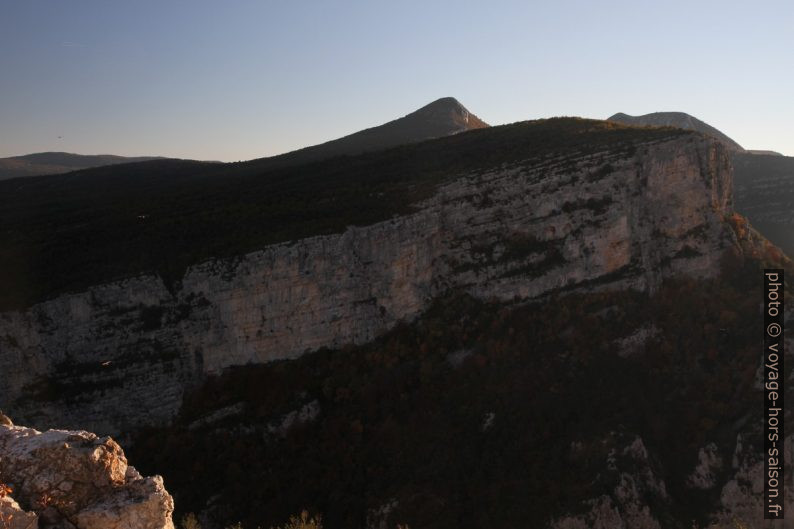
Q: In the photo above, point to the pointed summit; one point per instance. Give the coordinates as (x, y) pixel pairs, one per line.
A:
(442, 117)
(680, 120)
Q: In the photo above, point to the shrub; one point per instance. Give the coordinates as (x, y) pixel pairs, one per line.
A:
(189, 521)
(304, 521)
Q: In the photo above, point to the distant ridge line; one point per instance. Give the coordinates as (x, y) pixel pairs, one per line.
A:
(680, 120)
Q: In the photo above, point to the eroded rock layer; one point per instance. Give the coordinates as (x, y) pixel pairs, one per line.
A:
(120, 355)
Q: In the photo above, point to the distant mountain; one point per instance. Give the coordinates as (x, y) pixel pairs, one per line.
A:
(764, 192)
(763, 180)
(472, 331)
(768, 153)
(443, 117)
(43, 163)
(679, 120)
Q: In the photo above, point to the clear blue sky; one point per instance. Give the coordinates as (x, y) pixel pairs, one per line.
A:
(231, 80)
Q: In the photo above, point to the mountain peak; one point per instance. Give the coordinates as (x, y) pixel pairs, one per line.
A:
(680, 120)
(448, 111)
(443, 117)
(448, 101)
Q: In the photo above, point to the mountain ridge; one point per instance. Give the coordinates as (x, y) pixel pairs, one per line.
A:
(763, 179)
(174, 214)
(764, 192)
(680, 120)
(56, 162)
(443, 305)
(443, 117)
(516, 226)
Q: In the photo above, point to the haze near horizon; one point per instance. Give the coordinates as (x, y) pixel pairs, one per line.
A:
(252, 79)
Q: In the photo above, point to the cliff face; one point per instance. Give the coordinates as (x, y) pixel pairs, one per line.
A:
(120, 355)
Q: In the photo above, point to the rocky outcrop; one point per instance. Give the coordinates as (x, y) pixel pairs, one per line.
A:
(709, 465)
(742, 496)
(728, 478)
(120, 355)
(76, 479)
(12, 516)
(637, 487)
(634, 485)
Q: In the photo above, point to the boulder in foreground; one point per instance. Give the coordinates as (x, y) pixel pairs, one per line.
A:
(76, 479)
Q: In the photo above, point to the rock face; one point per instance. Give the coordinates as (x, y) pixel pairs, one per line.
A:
(120, 355)
(636, 486)
(77, 478)
(12, 516)
(764, 180)
(741, 497)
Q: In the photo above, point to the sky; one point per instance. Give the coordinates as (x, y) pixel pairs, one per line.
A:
(237, 79)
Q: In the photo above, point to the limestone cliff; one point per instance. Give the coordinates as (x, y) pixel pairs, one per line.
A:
(120, 355)
(75, 479)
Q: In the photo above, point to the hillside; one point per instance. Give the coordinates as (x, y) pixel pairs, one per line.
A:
(339, 252)
(545, 324)
(757, 151)
(679, 120)
(764, 191)
(45, 163)
(66, 232)
(442, 117)
(485, 415)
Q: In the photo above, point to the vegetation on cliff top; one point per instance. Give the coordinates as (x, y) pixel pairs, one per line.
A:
(66, 232)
